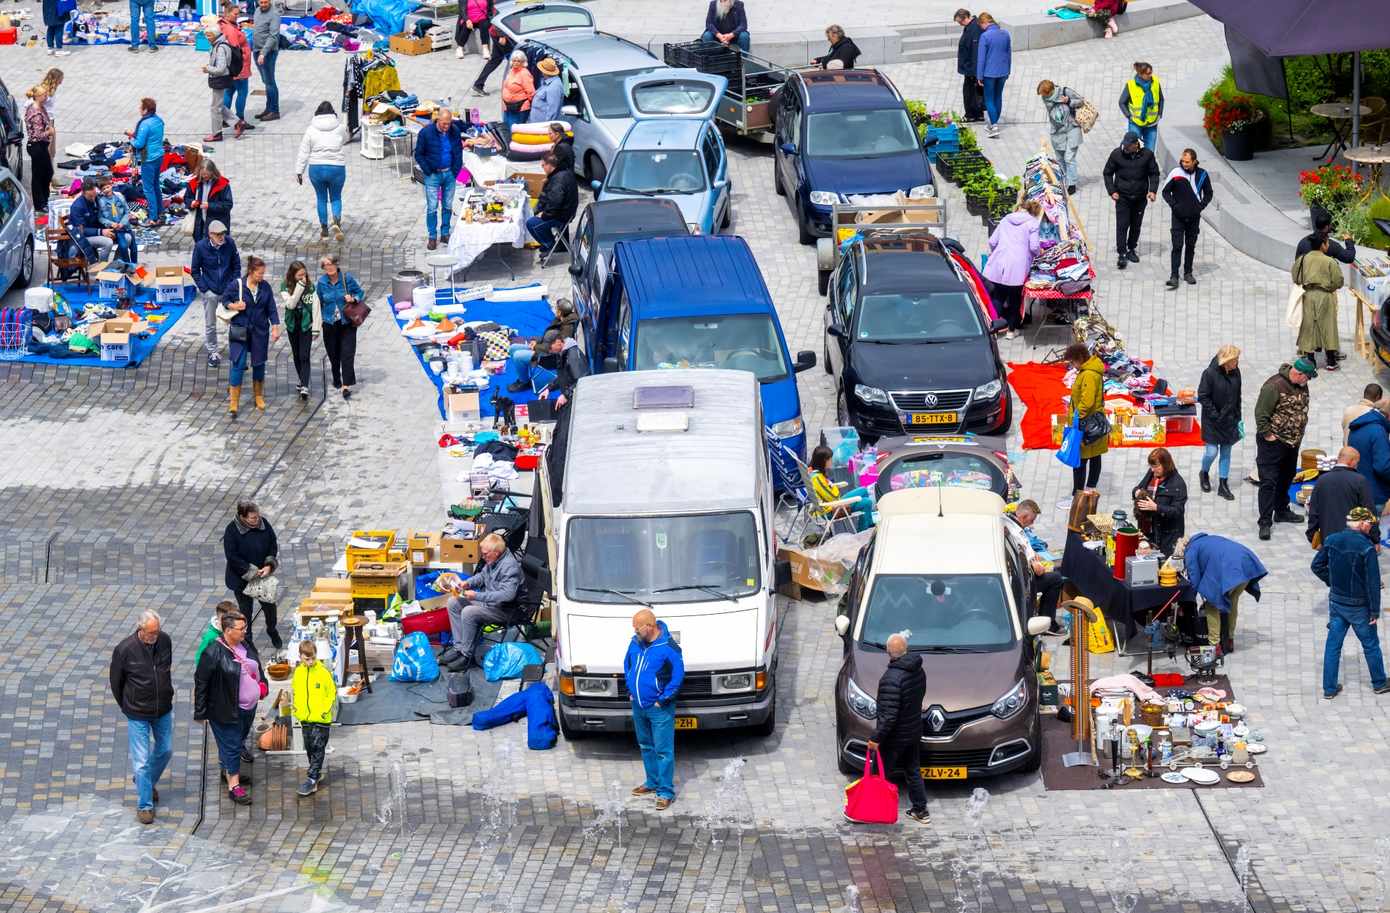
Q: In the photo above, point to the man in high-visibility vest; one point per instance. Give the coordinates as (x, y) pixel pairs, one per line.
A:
(1141, 103)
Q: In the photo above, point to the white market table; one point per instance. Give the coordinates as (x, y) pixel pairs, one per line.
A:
(468, 241)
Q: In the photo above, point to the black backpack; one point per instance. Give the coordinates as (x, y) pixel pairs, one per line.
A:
(233, 68)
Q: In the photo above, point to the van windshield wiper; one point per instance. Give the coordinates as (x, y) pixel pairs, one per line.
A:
(696, 586)
(612, 592)
(952, 650)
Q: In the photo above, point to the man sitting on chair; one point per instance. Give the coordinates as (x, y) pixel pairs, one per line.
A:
(828, 492)
(556, 205)
(85, 228)
(491, 596)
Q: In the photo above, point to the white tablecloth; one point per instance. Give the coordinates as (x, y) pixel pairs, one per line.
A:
(469, 240)
(492, 168)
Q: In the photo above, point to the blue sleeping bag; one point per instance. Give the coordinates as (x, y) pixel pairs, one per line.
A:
(537, 704)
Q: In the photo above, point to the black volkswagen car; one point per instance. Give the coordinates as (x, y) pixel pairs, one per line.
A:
(910, 346)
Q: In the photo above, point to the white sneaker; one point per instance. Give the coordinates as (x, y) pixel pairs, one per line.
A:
(993, 131)
(62, 53)
(458, 53)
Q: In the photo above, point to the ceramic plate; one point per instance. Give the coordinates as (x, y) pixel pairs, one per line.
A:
(1173, 776)
(1257, 747)
(1241, 776)
(1201, 776)
(1207, 727)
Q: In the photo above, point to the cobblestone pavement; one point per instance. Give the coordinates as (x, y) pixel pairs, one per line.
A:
(117, 484)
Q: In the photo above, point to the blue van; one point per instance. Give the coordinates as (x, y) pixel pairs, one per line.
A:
(696, 301)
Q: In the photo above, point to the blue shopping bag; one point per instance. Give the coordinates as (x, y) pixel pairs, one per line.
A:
(1070, 452)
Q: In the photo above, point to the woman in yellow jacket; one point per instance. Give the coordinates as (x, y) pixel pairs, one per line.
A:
(315, 703)
(828, 491)
(1087, 398)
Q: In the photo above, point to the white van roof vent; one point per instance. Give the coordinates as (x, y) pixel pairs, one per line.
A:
(665, 421)
(663, 397)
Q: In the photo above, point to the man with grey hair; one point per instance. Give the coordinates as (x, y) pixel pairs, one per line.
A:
(898, 735)
(142, 683)
(492, 596)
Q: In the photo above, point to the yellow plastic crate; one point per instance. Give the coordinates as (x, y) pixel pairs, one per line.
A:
(356, 556)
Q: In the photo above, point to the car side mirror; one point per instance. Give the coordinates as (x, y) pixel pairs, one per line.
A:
(596, 185)
(805, 360)
(1038, 625)
(569, 110)
(610, 365)
(781, 573)
(998, 325)
(842, 625)
(721, 183)
(837, 330)
(788, 148)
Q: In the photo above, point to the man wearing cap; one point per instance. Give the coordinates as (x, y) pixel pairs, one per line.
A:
(1347, 563)
(84, 225)
(216, 265)
(1281, 415)
(550, 94)
(570, 364)
(1131, 179)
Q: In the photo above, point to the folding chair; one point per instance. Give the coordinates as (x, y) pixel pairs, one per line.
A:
(54, 239)
(830, 517)
(562, 240)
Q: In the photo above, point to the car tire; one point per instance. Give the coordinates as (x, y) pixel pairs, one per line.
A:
(728, 219)
(768, 726)
(594, 169)
(841, 410)
(803, 230)
(777, 179)
(16, 161)
(825, 358)
(571, 734)
(823, 281)
(1034, 762)
(26, 266)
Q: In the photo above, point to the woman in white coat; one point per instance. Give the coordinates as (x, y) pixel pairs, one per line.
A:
(321, 154)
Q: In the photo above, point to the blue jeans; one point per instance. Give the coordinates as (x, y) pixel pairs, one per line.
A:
(511, 119)
(994, 97)
(151, 747)
(742, 39)
(54, 36)
(327, 181)
(230, 739)
(240, 88)
(149, 182)
(1209, 455)
(656, 736)
(237, 371)
(1358, 619)
(439, 187)
(125, 245)
(267, 71)
(520, 357)
(543, 230)
(136, 8)
(1147, 135)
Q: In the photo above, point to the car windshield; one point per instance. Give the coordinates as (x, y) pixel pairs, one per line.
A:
(658, 560)
(940, 612)
(855, 134)
(529, 20)
(928, 470)
(657, 171)
(745, 342)
(673, 96)
(925, 317)
(607, 98)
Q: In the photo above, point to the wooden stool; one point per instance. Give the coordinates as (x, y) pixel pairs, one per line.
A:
(355, 637)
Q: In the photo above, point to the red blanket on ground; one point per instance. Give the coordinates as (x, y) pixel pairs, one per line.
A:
(1040, 388)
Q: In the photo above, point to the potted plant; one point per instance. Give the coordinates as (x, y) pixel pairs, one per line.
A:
(1330, 189)
(1230, 120)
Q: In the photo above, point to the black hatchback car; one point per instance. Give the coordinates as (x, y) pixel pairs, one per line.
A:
(909, 344)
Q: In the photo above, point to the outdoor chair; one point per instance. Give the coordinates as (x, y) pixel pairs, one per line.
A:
(54, 241)
(826, 518)
(562, 242)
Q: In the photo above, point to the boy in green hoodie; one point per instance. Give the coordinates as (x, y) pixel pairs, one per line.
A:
(214, 628)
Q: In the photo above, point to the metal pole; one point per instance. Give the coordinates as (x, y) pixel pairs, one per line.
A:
(1356, 98)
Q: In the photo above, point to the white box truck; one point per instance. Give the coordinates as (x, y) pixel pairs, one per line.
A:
(664, 501)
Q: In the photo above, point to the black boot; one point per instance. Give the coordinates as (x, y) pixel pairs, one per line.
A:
(1333, 356)
(1206, 480)
(1224, 490)
(1172, 282)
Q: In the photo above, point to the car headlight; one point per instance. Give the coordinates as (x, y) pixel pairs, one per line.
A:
(824, 198)
(596, 687)
(922, 190)
(1012, 702)
(790, 428)
(869, 394)
(694, 227)
(989, 390)
(860, 702)
(733, 682)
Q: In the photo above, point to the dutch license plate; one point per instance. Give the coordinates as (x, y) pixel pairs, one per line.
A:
(943, 773)
(687, 722)
(933, 418)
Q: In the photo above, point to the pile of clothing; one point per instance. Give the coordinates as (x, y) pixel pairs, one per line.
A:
(1063, 265)
(112, 159)
(1124, 374)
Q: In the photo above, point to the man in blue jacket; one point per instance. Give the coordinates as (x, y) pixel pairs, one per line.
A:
(1221, 570)
(85, 228)
(1369, 435)
(993, 62)
(439, 153)
(654, 671)
(216, 265)
(1347, 564)
(147, 141)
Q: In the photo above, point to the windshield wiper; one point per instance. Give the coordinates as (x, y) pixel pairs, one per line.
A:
(696, 586)
(644, 193)
(612, 592)
(951, 650)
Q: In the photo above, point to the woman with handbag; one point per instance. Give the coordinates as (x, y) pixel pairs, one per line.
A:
(1061, 104)
(226, 689)
(254, 326)
(297, 301)
(518, 88)
(1088, 411)
(252, 549)
(340, 299)
(1160, 502)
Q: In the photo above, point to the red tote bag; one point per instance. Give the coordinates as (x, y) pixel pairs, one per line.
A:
(872, 799)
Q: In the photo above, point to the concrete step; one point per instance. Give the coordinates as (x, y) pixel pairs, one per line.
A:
(925, 44)
(920, 31)
(919, 56)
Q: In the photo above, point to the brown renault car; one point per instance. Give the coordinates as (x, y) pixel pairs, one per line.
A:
(941, 569)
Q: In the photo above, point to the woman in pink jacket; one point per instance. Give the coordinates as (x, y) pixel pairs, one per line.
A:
(1012, 248)
(475, 16)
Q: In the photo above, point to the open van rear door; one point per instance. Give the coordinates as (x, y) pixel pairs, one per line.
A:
(674, 93)
(522, 21)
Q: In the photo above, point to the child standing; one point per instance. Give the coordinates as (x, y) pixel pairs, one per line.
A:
(315, 703)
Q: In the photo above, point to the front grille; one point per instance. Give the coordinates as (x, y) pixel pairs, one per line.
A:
(946, 400)
(696, 684)
(977, 759)
(954, 721)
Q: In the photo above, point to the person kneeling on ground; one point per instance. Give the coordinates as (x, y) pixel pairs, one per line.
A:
(490, 596)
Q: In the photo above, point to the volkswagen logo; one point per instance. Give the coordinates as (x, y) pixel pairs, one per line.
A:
(936, 719)
(930, 399)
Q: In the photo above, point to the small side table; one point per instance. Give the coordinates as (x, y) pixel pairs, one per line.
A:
(354, 637)
(1375, 158)
(1335, 112)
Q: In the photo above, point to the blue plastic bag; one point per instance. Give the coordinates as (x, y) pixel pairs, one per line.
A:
(414, 660)
(506, 660)
(1070, 452)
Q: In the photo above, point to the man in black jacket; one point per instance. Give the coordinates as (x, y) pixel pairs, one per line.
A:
(142, 683)
(1131, 179)
(898, 735)
(965, 65)
(1345, 252)
(1187, 193)
(556, 205)
(1335, 493)
(570, 364)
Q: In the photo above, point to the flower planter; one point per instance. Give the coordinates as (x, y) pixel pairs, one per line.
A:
(1239, 146)
(976, 206)
(945, 164)
(964, 164)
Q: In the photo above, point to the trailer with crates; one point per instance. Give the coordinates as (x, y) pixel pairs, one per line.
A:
(747, 106)
(902, 217)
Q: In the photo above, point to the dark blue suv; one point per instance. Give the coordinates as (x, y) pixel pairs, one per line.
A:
(841, 134)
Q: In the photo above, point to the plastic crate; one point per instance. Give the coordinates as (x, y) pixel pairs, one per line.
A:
(708, 57)
(356, 556)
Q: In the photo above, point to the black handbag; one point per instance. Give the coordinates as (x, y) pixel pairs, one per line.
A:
(1094, 427)
(240, 333)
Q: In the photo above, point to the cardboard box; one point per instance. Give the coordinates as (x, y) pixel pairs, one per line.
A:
(115, 342)
(534, 183)
(110, 283)
(423, 547)
(454, 550)
(463, 407)
(410, 45)
(168, 284)
(814, 574)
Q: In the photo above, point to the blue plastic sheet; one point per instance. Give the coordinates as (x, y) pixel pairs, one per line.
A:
(388, 16)
(141, 347)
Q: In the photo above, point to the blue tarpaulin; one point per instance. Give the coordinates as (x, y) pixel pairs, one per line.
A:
(388, 16)
(141, 347)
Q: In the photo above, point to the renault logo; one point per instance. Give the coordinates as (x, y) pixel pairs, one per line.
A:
(936, 718)
(930, 399)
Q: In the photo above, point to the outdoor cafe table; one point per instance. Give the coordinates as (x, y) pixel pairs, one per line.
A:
(1335, 112)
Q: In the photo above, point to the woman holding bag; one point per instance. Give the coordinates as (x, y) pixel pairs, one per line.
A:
(227, 687)
(338, 292)
(255, 324)
(252, 551)
(297, 300)
(1088, 412)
